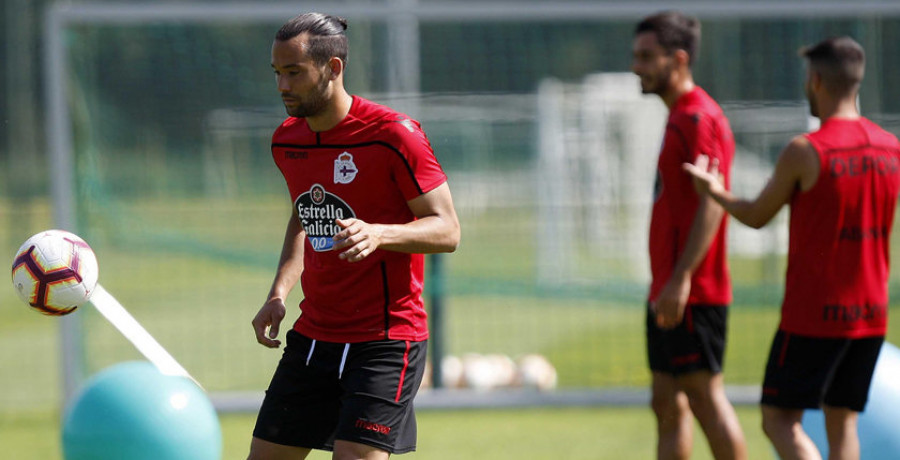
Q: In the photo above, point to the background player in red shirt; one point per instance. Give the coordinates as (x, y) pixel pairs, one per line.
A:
(841, 183)
(369, 199)
(690, 288)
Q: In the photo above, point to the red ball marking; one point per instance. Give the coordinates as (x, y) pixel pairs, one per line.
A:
(46, 278)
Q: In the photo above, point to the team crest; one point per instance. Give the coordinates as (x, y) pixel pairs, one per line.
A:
(344, 169)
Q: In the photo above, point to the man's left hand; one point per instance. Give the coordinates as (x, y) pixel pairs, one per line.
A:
(357, 239)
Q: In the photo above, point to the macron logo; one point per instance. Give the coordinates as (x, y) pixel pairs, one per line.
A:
(366, 425)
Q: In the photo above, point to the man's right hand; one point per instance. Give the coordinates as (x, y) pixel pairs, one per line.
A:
(705, 174)
(267, 322)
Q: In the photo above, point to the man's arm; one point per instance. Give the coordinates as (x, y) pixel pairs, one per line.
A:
(290, 266)
(797, 168)
(436, 229)
(670, 303)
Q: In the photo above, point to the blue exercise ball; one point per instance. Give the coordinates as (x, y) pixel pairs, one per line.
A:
(879, 432)
(132, 411)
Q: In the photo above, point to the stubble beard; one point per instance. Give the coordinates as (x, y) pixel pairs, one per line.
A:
(312, 105)
(658, 82)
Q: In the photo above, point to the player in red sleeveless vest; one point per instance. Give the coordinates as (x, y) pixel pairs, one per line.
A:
(841, 183)
(369, 198)
(686, 318)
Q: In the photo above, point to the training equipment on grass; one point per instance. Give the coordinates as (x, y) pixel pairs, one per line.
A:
(879, 432)
(536, 371)
(132, 411)
(55, 272)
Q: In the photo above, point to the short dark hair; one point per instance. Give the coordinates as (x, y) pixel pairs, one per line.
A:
(841, 62)
(326, 35)
(675, 31)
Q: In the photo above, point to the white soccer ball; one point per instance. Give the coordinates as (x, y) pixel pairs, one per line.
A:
(451, 372)
(536, 371)
(478, 373)
(55, 272)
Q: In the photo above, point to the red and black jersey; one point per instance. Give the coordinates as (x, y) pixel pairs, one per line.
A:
(838, 257)
(696, 126)
(366, 167)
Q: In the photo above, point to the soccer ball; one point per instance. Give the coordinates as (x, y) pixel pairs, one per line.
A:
(536, 371)
(55, 272)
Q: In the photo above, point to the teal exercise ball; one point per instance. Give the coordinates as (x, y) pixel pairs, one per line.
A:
(879, 432)
(132, 411)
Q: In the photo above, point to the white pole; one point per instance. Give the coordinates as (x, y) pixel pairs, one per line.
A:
(119, 317)
(62, 184)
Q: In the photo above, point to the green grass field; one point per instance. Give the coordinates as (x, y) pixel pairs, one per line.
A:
(521, 434)
(194, 273)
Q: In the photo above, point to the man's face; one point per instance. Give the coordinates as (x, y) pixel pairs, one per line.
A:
(651, 63)
(304, 86)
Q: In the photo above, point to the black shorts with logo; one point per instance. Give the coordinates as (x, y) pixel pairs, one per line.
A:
(697, 344)
(806, 372)
(358, 392)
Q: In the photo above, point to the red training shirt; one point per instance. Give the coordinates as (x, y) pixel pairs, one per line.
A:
(367, 167)
(696, 126)
(838, 257)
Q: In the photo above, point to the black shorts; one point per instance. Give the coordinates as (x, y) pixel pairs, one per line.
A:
(697, 344)
(361, 392)
(806, 372)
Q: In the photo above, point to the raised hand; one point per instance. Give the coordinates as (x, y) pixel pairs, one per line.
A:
(705, 174)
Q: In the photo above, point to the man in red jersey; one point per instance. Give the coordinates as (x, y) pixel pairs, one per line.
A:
(690, 288)
(841, 183)
(369, 199)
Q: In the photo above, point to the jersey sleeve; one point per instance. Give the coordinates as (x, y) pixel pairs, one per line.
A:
(417, 172)
(698, 131)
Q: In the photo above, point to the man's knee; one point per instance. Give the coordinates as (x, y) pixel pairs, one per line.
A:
(777, 422)
(703, 389)
(346, 450)
(265, 450)
(669, 406)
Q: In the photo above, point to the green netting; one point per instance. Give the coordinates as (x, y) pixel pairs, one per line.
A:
(178, 195)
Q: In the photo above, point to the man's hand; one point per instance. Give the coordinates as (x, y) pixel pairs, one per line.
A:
(269, 320)
(671, 301)
(358, 238)
(706, 176)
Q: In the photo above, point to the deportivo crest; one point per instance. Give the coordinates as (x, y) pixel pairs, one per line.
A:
(344, 169)
(318, 210)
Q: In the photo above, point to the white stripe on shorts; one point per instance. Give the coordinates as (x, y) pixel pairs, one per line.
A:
(311, 348)
(343, 360)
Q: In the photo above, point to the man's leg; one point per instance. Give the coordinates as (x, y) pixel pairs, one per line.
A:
(265, 450)
(346, 450)
(784, 428)
(301, 404)
(706, 394)
(843, 437)
(674, 421)
(847, 397)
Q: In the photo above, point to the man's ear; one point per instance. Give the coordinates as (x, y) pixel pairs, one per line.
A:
(682, 58)
(815, 79)
(336, 66)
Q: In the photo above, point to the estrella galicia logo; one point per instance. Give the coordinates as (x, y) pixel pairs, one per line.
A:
(317, 210)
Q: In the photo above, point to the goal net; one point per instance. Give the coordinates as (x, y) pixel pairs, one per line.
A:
(159, 120)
